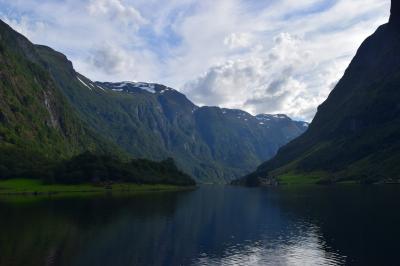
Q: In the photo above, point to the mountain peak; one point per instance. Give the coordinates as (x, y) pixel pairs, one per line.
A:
(395, 12)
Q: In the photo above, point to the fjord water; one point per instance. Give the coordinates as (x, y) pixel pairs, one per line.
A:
(343, 225)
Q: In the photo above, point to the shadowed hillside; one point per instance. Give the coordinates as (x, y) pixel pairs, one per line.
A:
(356, 132)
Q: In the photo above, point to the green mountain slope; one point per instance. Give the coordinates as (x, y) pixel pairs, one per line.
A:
(67, 114)
(155, 122)
(43, 136)
(34, 115)
(356, 132)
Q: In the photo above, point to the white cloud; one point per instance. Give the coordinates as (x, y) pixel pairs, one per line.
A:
(263, 56)
(238, 40)
(291, 64)
(117, 63)
(25, 26)
(116, 10)
(268, 80)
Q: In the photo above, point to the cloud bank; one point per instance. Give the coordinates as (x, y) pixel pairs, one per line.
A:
(262, 56)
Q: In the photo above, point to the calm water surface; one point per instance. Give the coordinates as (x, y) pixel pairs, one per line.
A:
(350, 225)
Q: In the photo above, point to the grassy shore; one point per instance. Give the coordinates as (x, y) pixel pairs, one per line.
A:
(36, 187)
(296, 179)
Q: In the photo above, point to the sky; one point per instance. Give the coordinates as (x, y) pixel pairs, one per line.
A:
(262, 56)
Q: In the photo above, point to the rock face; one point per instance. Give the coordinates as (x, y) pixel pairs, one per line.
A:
(395, 12)
(356, 131)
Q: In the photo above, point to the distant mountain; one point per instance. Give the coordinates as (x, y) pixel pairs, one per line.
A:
(356, 132)
(155, 122)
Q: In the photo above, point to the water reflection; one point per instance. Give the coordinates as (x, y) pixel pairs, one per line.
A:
(210, 226)
(302, 250)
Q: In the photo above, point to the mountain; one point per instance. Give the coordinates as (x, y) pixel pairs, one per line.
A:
(154, 121)
(34, 115)
(70, 114)
(43, 136)
(355, 134)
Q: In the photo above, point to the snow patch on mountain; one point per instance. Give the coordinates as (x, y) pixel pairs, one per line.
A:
(130, 86)
(81, 81)
(101, 88)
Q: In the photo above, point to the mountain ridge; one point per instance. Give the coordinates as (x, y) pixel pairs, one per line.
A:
(152, 121)
(43, 137)
(149, 120)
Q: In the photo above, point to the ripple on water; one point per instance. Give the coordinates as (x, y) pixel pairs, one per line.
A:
(304, 248)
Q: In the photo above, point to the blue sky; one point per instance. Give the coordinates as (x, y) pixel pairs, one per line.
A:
(261, 56)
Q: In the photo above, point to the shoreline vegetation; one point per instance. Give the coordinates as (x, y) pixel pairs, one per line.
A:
(308, 179)
(33, 187)
(88, 173)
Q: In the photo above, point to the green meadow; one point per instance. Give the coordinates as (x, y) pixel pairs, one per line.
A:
(36, 187)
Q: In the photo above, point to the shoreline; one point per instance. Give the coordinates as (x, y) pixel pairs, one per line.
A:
(30, 187)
